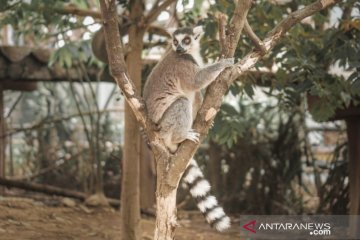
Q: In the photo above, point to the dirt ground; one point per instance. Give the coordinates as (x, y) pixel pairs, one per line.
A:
(26, 219)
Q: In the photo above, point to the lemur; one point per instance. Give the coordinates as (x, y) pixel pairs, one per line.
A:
(172, 96)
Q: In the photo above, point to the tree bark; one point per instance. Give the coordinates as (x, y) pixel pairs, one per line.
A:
(353, 133)
(130, 190)
(165, 214)
(166, 211)
(2, 136)
(215, 168)
(147, 177)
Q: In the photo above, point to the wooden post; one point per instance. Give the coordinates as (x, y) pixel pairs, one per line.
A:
(2, 137)
(353, 133)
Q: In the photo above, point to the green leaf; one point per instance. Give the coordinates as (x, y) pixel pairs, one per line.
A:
(322, 110)
(249, 90)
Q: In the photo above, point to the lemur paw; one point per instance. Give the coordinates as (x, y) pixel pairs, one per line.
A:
(193, 136)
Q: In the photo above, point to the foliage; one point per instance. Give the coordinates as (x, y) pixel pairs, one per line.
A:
(49, 23)
(74, 53)
(235, 122)
(306, 57)
(42, 20)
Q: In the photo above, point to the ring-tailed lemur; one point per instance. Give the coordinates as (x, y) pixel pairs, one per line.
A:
(172, 96)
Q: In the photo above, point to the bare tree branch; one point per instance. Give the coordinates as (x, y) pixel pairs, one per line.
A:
(58, 164)
(255, 40)
(116, 60)
(156, 4)
(222, 33)
(73, 10)
(280, 30)
(46, 121)
(154, 29)
(236, 26)
(78, 107)
(119, 72)
(14, 105)
(157, 9)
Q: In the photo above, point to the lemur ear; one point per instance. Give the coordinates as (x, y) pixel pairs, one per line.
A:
(171, 30)
(198, 31)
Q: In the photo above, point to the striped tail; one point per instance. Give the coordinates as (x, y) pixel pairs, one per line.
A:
(207, 204)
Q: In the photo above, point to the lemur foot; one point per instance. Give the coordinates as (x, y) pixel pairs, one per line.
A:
(193, 136)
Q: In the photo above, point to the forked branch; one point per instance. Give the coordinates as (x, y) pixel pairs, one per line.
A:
(259, 45)
(279, 31)
(157, 9)
(216, 91)
(236, 26)
(205, 116)
(117, 64)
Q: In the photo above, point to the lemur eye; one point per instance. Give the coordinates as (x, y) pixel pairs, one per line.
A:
(186, 40)
(176, 42)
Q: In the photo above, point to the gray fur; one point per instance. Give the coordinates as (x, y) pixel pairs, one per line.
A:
(203, 76)
(176, 123)
(185, 30)
(172, 91)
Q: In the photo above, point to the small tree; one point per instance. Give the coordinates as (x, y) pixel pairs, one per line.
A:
(171, 167)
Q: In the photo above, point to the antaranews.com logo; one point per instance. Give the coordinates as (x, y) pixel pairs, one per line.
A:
(313, 228)
(299, 226)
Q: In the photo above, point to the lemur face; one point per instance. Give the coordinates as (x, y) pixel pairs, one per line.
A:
(186, 40)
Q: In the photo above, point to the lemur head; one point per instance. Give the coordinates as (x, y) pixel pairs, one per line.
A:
(186, 40)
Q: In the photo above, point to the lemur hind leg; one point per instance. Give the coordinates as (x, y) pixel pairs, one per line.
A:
(176, 124)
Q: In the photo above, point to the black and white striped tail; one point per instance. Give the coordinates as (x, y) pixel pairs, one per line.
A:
(200, 190)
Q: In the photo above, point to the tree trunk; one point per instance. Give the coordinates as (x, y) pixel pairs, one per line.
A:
(130, 194)
(130, 190)
(353, 133)
(215, 168)
(11, 156)
(147, 177)
(48, 142)
(165, 213)
(2, 137)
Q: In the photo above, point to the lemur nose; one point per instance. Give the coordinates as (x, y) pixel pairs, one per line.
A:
(180, 49)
